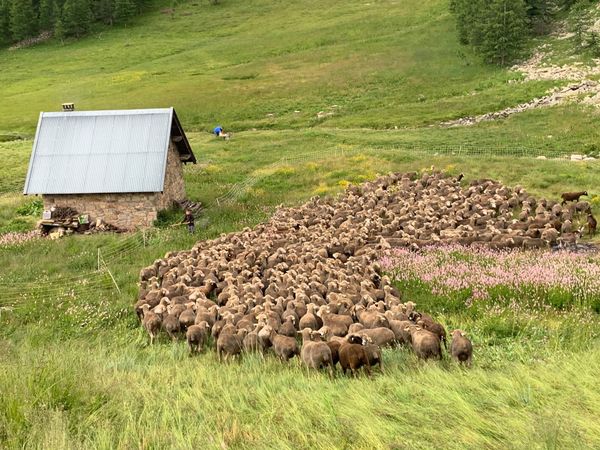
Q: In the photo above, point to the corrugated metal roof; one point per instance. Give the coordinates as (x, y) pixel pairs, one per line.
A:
(91, 152)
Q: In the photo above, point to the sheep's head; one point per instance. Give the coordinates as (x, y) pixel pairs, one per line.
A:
(458, 333)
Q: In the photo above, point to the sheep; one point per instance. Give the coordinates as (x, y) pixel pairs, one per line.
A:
(284, 347)
(288, 328)
(398, 327)
(461, 348)
(336, 322)
(196, 336)
(355, 328)
(572, 196)
(252, 342)
(187, 317)
(591, 223)
(309, 320)
(151, 322)
(353, 356)
(230, 342)
(436, 328)
(380, 336)
(424, 343)
(314, 354)
(373, 353)
(171, 326)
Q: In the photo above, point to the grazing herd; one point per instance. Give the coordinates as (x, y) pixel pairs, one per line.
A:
(308, 284)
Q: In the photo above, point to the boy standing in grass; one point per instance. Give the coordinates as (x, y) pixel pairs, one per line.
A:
(189, 220)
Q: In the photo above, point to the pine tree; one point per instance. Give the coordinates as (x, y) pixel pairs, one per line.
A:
(5, 34)
(104, 11)
(505, 30)
(581, 21)
(124, 10)
(76, 17)
(46, 15)
(22, 19)
(59, 29)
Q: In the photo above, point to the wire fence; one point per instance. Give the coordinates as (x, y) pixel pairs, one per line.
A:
(90, 282)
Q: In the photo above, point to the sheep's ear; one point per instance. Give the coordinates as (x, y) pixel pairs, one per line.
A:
(462, 333)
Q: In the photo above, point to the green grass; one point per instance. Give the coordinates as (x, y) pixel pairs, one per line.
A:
(76, 368)
(253, 64)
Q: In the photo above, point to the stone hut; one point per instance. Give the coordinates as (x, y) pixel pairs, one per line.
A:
(122, 167)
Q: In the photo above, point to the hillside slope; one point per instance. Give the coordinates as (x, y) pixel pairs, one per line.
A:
(267, 64)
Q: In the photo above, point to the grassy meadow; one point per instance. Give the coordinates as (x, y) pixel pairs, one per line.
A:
(75, 368)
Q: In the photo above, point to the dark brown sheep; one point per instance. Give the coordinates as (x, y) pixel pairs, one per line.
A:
(572, 196)
(591, 223)
(461, 348)
(373, 352)
(196, 336)
(353, 356)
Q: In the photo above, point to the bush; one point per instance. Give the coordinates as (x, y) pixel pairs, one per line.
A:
(32, 208)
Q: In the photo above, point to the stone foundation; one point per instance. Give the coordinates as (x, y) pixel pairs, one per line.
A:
(128, 210)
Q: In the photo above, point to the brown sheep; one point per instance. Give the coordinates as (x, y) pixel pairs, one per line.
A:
(355, 328)
(196, 336)
(338, 323)
(151, 322)
(314, 354)
(187, 318)
(380, 336)
(436, 328)
(461, 348)
(572, 196)
(353, 356)
(425, 344)
(309, 320)
(230, 342)
(288, 328)
(253, 343)
(591, 223)
(398, 327)
(374, 354)
(285, 347)
(171, 326)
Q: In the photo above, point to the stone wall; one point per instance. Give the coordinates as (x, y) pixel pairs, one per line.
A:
(127, 211)
(130, 210)
(174, 186)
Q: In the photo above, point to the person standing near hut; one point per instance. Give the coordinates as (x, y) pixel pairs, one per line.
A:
(189, 220)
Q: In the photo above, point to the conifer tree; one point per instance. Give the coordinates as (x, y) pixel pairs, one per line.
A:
(22, 19)
(76, 17)
(124, 10)
(5, 34)
(59, 29)
(505, 30)
(104, 11)
(46, 15)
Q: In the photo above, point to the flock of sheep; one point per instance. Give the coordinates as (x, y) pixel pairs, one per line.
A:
(311, 272)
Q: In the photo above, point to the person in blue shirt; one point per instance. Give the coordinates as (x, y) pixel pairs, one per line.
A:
(219, 132)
